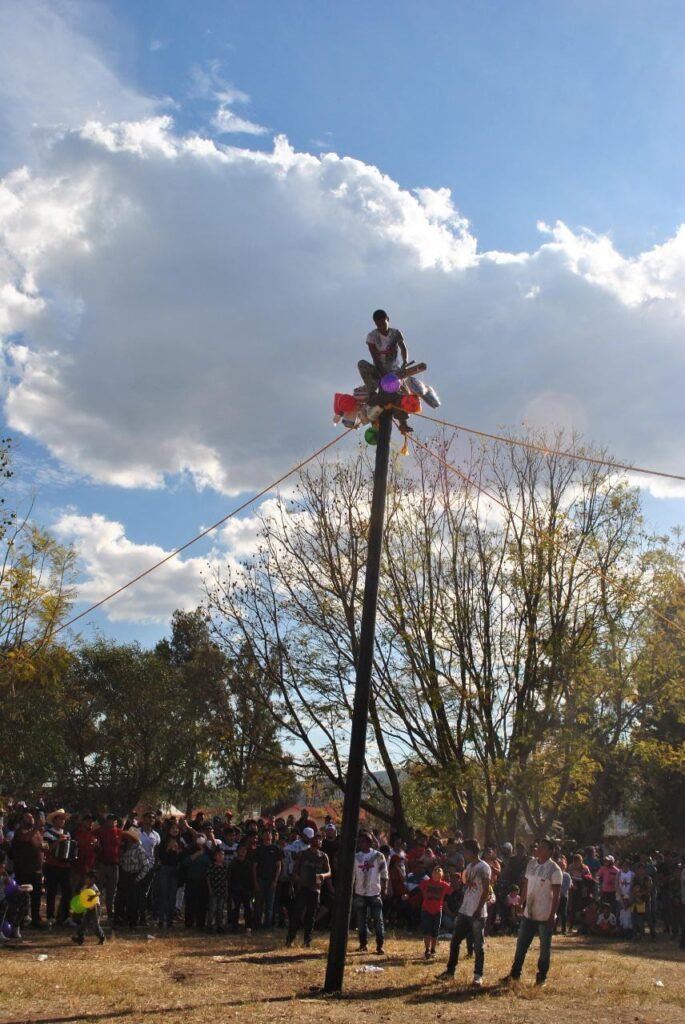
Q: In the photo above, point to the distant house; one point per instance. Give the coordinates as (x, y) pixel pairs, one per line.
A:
(317, 814)
(619, 825)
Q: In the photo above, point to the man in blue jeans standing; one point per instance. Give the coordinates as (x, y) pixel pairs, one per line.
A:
(267, 864)
(370, 886)
(472, 912)
(540, 896)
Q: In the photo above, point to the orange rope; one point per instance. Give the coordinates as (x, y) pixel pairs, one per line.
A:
(549, 451)
(219, 522)
(586, 565)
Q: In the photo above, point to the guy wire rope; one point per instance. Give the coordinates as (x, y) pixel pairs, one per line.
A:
(209, 529)
(518, 442)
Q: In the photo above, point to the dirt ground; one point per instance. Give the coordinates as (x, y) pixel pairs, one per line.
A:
(197, 979)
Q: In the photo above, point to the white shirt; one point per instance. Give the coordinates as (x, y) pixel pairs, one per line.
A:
(370, 869)
(229, 851)
(149, 841)
(624, 883)
(291, 852)
(539, 896)
(387, 347)
(476, 885)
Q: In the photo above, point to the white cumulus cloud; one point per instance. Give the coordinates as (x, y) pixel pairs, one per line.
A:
(109, 559)
(173, 305)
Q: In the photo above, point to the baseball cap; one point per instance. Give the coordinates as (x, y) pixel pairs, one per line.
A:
(308, 833)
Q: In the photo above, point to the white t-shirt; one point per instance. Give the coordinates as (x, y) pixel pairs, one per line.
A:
(149, 841)
(625, 919)
(387, 347)
(624, 884)
(476, 883)
(291, 852)
(539, 896)
(370, 869)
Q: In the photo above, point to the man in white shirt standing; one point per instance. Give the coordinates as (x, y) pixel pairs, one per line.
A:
(370, 886)
(472, 912)
(149, 840)
(540, 895)
(624, 882)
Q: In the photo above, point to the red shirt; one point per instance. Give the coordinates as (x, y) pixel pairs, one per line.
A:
(110, 844)
(86, 840)
(434, 894)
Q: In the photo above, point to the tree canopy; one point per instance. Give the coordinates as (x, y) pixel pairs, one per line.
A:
(512, 633)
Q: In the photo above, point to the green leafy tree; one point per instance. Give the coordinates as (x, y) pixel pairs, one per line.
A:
(231, 740)
(201, 668)
(36, 591)
(657, 779)
(250, 758)
(122, 718)
(503, 625)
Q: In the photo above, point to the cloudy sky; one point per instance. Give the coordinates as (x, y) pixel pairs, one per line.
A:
(201, 204)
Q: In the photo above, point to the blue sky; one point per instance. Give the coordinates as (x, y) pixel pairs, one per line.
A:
(528, 111)
(508, 178)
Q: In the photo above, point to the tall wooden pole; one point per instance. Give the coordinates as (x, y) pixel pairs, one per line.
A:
(337, 949)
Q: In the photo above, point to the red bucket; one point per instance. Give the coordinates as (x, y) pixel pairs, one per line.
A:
(343, 404)
(410, 403)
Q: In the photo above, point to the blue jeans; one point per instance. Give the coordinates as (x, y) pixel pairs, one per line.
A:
(216, 912)
(373, 905)
(466, 926)
(527, 931)
(264, 903)
(167, 884)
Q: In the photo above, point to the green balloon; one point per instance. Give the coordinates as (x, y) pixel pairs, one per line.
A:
(76, 906)
(371, 435)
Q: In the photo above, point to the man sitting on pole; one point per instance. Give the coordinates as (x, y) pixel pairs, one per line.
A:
(389, 354)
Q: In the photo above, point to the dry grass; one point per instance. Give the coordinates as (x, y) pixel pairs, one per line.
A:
(193, 979)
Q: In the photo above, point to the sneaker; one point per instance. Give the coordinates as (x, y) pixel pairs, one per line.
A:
(289, 941)
(101, 939)
(380, 951)
(363, 948)
(445, 975)
(511, 979)
(426, 955)
(540, 980)
(478, 980)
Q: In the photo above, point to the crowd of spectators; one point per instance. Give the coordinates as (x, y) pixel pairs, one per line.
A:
(217, 875)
